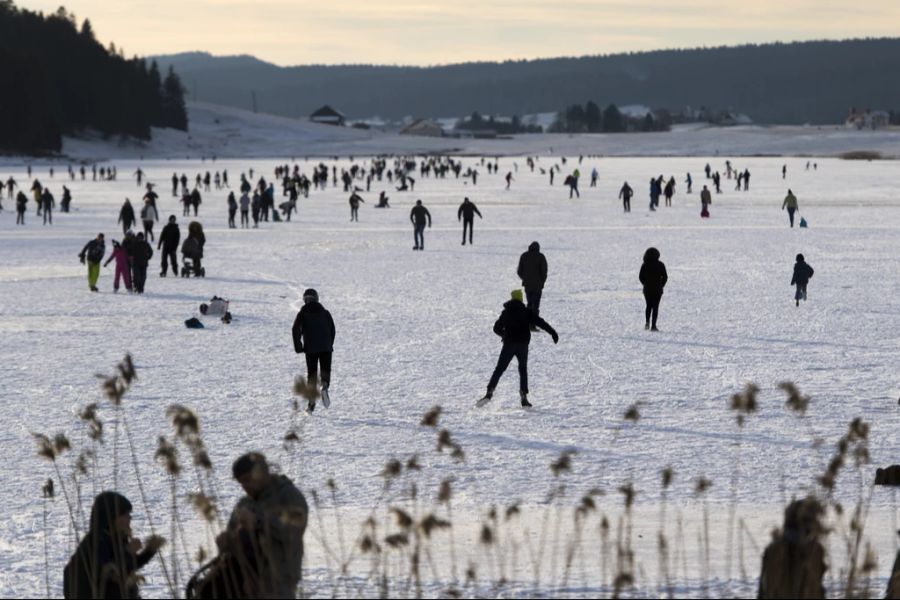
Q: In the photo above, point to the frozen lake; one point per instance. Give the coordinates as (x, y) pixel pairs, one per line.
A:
(414, 330)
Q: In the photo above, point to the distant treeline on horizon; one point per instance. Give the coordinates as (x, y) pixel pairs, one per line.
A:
(61, 80)
(783, 83)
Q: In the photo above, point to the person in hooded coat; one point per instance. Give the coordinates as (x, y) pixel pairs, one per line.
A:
(108, 557)
(514, 327)
(126, 216)
(532, 270)
(313, 334)
(653, 276)
(802, 274)
(123, 269)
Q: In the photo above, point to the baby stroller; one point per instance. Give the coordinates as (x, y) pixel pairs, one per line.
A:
(190, 257)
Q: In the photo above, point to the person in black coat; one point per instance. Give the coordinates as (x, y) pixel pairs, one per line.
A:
(653, 276)
(418, 215)
(532, 271)
(514, 327)
(141, 253)
(466, 213)
(168, 242)
(106, 562)
(313, 333)
(802, 274)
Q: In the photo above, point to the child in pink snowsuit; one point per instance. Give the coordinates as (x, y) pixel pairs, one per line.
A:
(123, 269)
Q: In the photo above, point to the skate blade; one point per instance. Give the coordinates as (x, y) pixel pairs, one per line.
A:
(483, 401)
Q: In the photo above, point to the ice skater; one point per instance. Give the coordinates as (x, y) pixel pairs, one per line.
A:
(313, 334)
(355, 200)
(418, 216)
(790, 203)
(532, 270)
(93, 253)
(705, 201)
(625, 194)
(466, 214)
(653, 277)
(802, 274)
(123, 269)
(514, 327)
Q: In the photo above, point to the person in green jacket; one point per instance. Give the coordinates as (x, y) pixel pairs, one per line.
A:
(790, 202)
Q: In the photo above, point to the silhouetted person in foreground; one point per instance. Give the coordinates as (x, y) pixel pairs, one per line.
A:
(793, 564)
(514, 328)
(653, 276)
(108, 557)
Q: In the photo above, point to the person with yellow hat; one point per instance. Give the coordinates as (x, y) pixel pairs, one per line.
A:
(514, 328)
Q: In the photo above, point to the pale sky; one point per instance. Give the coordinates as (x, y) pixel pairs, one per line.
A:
(420, 32)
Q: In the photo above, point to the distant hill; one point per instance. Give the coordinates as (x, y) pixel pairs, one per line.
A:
(793, 83)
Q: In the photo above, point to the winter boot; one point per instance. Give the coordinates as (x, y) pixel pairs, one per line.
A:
(326, 400)
(311, 405)
(525, 402)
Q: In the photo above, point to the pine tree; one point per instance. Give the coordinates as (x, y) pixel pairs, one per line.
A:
(173, 109)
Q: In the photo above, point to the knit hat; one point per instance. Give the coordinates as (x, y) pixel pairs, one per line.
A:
(310, 295)
(516, 295)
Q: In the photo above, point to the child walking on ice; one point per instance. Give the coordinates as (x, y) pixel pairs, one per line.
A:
(802, 274)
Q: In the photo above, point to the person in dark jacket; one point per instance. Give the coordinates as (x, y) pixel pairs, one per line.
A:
(263, 541)
(466, 213)
(126, 216)
(532, 271)
(193, 247)
(313, 334)
(355, 199)
(141, 253)
(514, 328)
(232, 209)
(106, 562)
(168, 242)
(93, 253)
(21, 207)
(802, 274)
(653, 276)
(418, 215)
(793, 564)
(625, 194)
(47, 204)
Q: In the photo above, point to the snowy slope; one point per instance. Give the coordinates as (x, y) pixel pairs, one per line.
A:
(233, 133)
(414, 330)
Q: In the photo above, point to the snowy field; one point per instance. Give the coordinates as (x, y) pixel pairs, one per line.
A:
(414, 331)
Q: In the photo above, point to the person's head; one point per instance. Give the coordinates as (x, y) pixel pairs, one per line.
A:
(100, 236)
(140, 235)
(127, 201)
(116, 244)
(465, 200)
(111, 513)
(704, 187)
(534, 247)
(516, 294)
(171, 218)
(789, 191)
(252, 471)
(651, 255)
(418, 203)
(310, 295)
(800, 258)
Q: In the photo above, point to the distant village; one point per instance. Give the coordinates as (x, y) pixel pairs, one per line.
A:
(576, 119)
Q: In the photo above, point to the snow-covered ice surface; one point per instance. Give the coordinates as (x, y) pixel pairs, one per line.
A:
(414, 330)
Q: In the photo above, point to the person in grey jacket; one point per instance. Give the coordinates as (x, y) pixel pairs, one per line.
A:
(313, 334)
(265, 530)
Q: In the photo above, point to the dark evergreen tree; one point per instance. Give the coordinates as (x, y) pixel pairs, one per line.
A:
(173, 111)
(613, 121)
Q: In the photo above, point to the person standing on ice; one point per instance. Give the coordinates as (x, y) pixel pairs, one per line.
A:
(790, 203)
(689, 183)
(532, 270)
(784, 171)
(21, 207)
(93, 252)
(802, 274)
(653, 277)
(355, 199)
(418, 216)
(149, 216)
(313, 334)
(126, 216)
(705, 201)
(245, 210)
(142, 252)
(466, 213)
(670, 190)
(232, 209)
(123, 271)
(168, 243)
(514, 326)
(509, 179)
(625, 194)
(47, 204)
(594, 176)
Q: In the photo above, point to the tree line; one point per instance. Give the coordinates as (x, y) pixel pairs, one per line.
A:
(62, 81)
(785, 83)
(591, 119)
